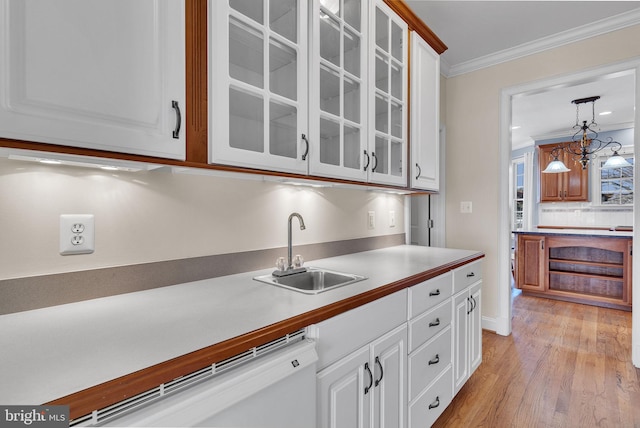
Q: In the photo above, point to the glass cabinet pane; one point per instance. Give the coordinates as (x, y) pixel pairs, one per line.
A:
(283, 71)
(329, 142)
(329, 39)
(396, 120)
(246, 54)
(352, 154)
(382, 74)
(332, 6)
(246, 121)
(396, 80)
(329, 91)
(352, 53)
(251, 8)
(382, 30)
(382, 114)
(283, 137)
(352, 13)
(381, 161)
(352, 100)
(283, 18)
(396, 158)
(396, 41)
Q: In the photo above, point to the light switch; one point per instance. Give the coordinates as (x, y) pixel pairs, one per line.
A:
(466, 207)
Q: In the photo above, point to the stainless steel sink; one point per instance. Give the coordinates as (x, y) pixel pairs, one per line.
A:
(313, 281)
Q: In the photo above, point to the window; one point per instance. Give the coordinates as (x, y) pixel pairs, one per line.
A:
(616, 184)
(517, 194)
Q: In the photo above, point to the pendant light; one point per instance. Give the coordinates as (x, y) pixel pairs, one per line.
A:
(585, 143)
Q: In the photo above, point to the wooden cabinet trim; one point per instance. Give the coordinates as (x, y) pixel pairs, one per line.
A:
(417, 25)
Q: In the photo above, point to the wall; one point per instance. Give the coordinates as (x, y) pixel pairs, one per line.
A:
(161, 215)
(473, 124)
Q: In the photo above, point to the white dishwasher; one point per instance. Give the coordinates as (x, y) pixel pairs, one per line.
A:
(276, 390)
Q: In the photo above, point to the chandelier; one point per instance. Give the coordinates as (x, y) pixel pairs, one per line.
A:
(585, 143)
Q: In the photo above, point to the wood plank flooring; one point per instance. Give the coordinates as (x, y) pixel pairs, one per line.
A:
(565, 365)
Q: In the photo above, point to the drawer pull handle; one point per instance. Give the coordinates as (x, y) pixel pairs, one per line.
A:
(176, 130)
(435, 323)
(435, 403)
(381, 371)
(367, 388)
(306, 152)
(435, 360)
(435, 293)
(471, 275)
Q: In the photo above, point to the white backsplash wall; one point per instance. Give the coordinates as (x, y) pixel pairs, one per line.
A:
(162, 215)
(583, 214)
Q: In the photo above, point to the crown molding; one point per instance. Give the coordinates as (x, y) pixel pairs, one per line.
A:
(603, 26)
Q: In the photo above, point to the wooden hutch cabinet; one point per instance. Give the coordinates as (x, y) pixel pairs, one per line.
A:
(589, 269)
(572, 186)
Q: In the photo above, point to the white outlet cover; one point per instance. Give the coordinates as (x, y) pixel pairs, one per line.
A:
(86, 238)
(392, 218)
(371, 220)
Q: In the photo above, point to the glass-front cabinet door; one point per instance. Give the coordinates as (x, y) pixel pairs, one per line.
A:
(338, 88)
(258, 84)
(388, 97)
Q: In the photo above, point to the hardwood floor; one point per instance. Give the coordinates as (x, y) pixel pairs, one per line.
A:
(565, 365)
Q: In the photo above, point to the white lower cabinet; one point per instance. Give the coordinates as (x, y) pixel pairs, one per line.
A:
(399, 361)
(467, 333)
(367, 387)
(430, 381)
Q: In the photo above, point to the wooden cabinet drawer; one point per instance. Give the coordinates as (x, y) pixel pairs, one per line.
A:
(428, 361)
(428, 406)
(466, 275)
(427, 325)
(429, 293)
(344, 333)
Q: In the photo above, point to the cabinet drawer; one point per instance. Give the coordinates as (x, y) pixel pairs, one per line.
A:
(344, 333)
(427, 325)
(466, 275)
(428, 361)
(426, 409)
(428, 294)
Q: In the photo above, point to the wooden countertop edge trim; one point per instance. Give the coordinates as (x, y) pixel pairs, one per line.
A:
(108, 393)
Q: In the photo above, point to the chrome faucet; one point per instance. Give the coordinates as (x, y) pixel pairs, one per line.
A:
(289, 249)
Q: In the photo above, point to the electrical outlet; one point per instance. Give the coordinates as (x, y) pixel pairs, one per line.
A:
(371, 220)
(392, 218)
(77, 234)
(466, 207)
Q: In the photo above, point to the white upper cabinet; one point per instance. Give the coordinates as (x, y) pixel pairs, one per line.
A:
(387, 150)
(338, 88)
(102, 75)
(425, 110)
(258, 84)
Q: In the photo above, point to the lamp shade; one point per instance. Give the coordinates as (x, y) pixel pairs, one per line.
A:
(616, 161)
(556, 166)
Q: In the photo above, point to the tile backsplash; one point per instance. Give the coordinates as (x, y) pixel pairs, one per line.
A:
(583, 214)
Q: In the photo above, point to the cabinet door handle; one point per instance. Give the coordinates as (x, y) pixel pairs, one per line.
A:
(379, 364)
(367, 388)
(375, 161)
(470, 305)
(306, 152)
(471, 274)
(473, 303)
(435, 403)
(435, 360)
(176, 130)
(419, 171)
(435, 293)
(368, 160)
(435, 323)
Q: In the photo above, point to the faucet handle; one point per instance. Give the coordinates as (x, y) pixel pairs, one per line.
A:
(281, 263)
(298, 261)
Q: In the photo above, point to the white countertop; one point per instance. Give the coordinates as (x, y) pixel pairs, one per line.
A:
(583, 232)
(52, 352)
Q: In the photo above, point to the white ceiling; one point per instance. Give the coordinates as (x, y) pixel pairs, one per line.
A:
(484, 33)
